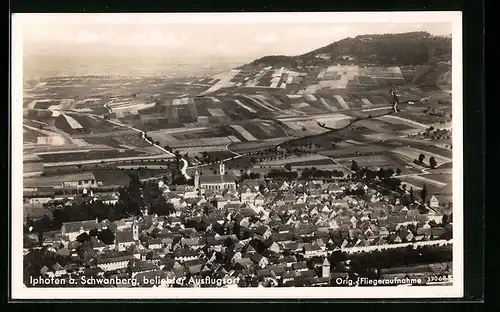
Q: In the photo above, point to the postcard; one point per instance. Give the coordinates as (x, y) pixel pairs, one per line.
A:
(237, 155)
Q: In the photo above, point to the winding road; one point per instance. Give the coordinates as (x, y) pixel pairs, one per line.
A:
(143, 135)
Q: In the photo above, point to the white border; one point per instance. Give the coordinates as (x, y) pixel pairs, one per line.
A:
(19, 291)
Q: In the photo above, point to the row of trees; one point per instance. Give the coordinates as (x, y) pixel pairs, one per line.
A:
(313, 173)
(432, 161)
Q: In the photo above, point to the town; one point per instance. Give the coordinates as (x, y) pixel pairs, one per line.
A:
(331, 168)
(262, 232)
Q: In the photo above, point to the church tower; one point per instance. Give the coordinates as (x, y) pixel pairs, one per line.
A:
(135, 230)
(326, 269)
(222, 169)
(197, 180)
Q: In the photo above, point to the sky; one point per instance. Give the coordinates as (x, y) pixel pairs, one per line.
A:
(193, 38)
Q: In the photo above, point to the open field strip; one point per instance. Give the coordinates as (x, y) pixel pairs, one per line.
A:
(103, 134)
(265, 101)
(368, 161)
(408, 122)
(225, 81)
(265, 127)
(72, 122)
(414, 153)
(82, 143)
(299, 105)
(341, 102)
(64, 152)
(335, 121)
(328, 106)
(247, 135)
(216, 112)
(201, 149)
(234, 139)
(295, 159)
(245, 147)
(310, 97)
(42, 131)
(251, 110)
(275, 101)
(39, 122)
(354, 142)
(366, 102)
(376, 109)
(96, 161)
(258, 103)
(426, 180)
(52, 140)
(374, 126)
(202, 142)
(179, 130)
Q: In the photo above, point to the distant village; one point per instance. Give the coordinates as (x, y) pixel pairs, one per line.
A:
(251, 233)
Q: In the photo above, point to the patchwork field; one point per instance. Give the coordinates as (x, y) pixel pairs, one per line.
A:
(241, 110)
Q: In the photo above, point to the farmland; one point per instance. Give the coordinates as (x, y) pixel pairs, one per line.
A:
(242, 111)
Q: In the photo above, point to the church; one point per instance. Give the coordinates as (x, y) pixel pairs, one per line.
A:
(214, 182)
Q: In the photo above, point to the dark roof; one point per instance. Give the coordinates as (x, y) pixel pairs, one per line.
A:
(124, 236)
(72, 227)
(261, 230)
(185, 252)
(299, 265)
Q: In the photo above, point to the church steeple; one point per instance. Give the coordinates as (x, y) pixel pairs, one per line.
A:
(135, 230)
(222, 169)
(197, 180)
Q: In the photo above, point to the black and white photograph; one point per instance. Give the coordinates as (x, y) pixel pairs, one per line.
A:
(237, 155)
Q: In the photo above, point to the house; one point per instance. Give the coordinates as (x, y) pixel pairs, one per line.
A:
(260, 260)
(94, 272)
(247, 195)
(289, 276)
(433, 202)
(233, 256)
(73, 229)
(313, 250)
(192, 243)
(300, 266)
(262, 233)
(109, 199)
(124, 239)
(194, 267)
(136, 267)
(185, 254)
(155, 244)
(244, 262)
(259, 200)
(113, 261)
(58, 270)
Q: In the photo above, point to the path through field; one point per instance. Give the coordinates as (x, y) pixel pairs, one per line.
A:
(184, 161)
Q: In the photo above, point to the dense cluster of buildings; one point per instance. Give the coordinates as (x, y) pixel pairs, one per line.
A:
(267, 233)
